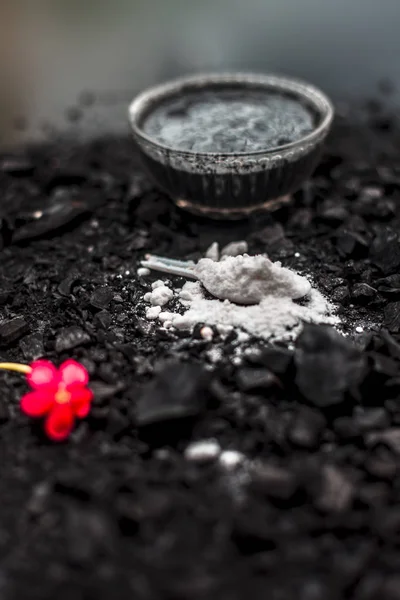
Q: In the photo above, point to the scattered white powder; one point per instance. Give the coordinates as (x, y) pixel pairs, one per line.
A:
(274, 318)
(235, 249)
(213, 252)
(251, 295)
(203, 451)
(249, 279)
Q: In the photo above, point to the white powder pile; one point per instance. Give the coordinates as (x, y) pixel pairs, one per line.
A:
(248, 279)
(251, 294)
(274, 318)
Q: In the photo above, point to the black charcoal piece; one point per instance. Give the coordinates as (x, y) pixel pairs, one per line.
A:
(337, 490)
(60, 210)
(362, 293)
(273, 481)
(177, 392)
(392, 317)
(32, 346)
(253, 380)
(71, 337)
(306, 428)
(12, 330)
(327, 364)
(385, 252)
(101, 297)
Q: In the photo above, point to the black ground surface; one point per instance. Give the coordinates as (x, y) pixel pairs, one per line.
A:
(118, 511)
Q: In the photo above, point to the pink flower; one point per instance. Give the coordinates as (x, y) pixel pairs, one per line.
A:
(61, 395)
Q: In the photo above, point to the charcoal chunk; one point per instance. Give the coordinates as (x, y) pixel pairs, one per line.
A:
(362, 293)
(89, 535)
(178, 391)
(17, 166)
(4, 412)
(101, 297)
(306, 428)
(255, 379)
(32, 346)
(65, 287)
(327, 364)
(71, 337)
(273, 481)
(12, 330)
(60, 210)
(371, 418)
(277, 360)
(4, 296)
(385, 252)
(389, 437)
(392, 317)
(337, 490)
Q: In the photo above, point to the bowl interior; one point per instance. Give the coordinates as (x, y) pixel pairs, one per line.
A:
(314, 101)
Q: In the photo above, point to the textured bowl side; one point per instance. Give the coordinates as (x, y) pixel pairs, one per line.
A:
(232, 190)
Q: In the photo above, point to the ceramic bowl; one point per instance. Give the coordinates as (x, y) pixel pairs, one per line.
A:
(231, 184)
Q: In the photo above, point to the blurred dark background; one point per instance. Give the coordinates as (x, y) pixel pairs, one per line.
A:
(72, 65)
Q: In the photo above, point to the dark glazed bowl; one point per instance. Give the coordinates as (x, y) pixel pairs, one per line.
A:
(231, 185)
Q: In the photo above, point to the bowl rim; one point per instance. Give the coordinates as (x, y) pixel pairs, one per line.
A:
(319, 102)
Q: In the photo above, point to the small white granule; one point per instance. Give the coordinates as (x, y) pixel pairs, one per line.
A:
(157, 284)
(215, 355)
(147, 297)
(153, 312)
(242, 337)
(235, 249)
(161, 296)
(203, 451)
(143, 272)
(207, 333)
(230, 459)
(213, 252)
(359, 329)
(248, 279)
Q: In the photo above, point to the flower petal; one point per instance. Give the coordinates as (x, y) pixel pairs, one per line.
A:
(81, 398)
(37, 404)
(43, 373)
(60, 422)
(71, 372)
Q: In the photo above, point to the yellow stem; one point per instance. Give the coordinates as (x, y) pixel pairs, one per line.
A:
(26, 369)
